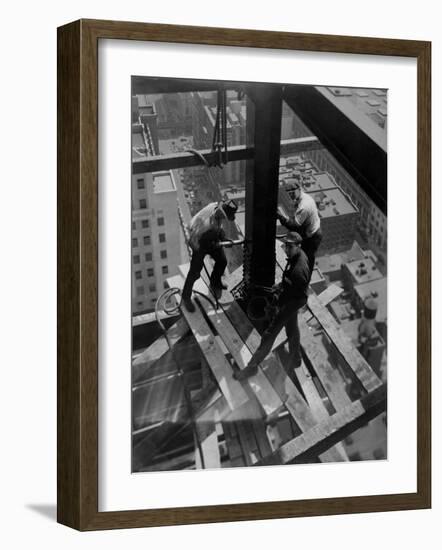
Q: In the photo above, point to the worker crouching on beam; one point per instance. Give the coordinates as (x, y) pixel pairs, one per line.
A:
(290, 296)
(305, 221)
(206, 234)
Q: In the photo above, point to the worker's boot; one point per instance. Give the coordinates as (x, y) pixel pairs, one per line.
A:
(250, 370)
(186, 295)
(188, 304)
(217, 287)
(223, 285)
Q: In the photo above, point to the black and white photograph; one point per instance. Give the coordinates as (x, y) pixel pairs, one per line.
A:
(259, 274)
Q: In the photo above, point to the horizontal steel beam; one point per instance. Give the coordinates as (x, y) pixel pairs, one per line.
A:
(239, 152)
(353, 140)
(148, 85)
(309, 445)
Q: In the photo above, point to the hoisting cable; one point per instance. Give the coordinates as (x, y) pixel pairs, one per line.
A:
(219, 142)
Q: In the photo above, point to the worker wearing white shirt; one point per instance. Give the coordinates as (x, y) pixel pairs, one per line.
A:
(305, 220)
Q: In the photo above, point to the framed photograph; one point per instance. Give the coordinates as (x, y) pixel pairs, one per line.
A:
(243, 275)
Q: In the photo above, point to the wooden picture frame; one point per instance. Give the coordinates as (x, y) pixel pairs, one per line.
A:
(78, 274)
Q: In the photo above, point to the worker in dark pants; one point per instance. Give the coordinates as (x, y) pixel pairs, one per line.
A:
(205, 236)
(291, 297)
(305, 220)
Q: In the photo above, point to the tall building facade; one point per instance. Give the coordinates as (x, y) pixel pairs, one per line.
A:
(156, 232)
(156, 237)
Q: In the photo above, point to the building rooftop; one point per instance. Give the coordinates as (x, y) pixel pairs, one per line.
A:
(319, 182)
(378, 289)
(333, 262)
(316, 277)
(333, 202)
(363, 271)
(237, 194)
(163, 182)
(361, 106)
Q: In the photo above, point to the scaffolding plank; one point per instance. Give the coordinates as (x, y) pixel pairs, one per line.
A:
(289, 393)
(330, 294)
(260, 385)
(261, 439)
(319, 410)
(330, 431)
(329, 377)
(266, 395)
(208, 438)
(248, 442)
(343, 344)
(281, 383)
(310, 391)
(221, 368)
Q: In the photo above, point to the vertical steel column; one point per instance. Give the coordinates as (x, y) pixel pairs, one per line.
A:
(264, 111)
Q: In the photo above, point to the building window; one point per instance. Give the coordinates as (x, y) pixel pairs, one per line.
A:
(136, 259)
(165, 269)
(148, 257)
(163, 254)
(140, 290)
(138, 275)
(134, 225)
(150, 272)
(144, 224)
(152, 288)
(140, 183)
(134, 243)
(160, 221)
(162, 237)
(165, 285)
(146, 240)
(143, 203)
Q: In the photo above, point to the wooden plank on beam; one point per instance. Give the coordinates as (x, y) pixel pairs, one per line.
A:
(343, 344)
(261, 439)
(318, 409)
(259, 384)
(274, 372)
(330, 294)
(208, 440)
(327, 433)
(220, 367)
(330, 379)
